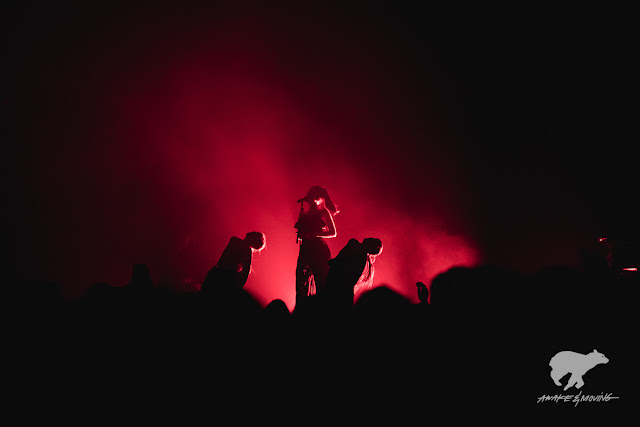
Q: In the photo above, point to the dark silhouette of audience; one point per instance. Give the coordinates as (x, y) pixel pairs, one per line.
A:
(140, 278)
(136, 354)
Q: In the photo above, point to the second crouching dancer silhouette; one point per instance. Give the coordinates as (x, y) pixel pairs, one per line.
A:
(315, 225)
(351, 272)
(232, 270)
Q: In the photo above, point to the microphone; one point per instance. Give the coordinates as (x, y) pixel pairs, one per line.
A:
(304, 199)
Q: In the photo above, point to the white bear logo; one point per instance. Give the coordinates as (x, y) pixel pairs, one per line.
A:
(575, 363)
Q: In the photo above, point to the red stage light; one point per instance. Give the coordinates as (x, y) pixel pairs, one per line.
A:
(630, 269)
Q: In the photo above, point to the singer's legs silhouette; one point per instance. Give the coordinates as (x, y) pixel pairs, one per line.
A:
(312, 268)
(305, 284)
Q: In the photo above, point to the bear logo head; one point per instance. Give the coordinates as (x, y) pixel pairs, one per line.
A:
(601, 358)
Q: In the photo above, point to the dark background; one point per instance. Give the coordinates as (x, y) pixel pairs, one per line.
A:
(459, 137)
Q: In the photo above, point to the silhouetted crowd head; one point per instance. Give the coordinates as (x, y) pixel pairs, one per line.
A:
(423, 292)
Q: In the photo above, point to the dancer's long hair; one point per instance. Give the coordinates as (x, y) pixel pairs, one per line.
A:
(365, 281)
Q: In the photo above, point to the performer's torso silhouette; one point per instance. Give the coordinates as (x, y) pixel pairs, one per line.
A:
(314, 255)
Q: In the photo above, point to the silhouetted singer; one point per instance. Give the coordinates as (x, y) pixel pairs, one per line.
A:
(314, 225)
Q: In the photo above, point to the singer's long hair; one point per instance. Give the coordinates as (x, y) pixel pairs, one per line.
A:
(318, 191)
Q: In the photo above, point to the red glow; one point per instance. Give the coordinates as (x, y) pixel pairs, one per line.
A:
(630, 269)
(230, 146)
(217, 132)
(260, 191)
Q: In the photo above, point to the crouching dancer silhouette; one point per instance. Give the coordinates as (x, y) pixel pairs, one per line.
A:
(352, 270)
(232, 270)
(314, 226)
